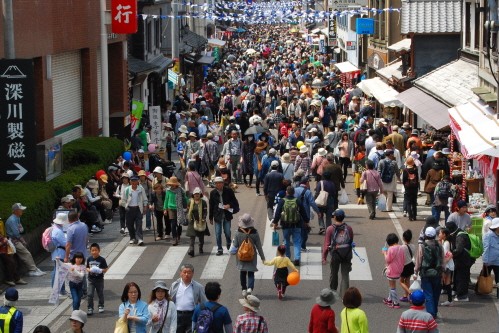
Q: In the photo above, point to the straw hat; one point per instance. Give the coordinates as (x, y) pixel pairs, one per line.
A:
(142, 173)
(173, 181)
(286, 158)
(303, 149)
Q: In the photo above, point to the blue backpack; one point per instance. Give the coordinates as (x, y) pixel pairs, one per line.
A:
(205, 319)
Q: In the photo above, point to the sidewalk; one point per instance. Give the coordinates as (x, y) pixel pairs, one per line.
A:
(33, 297)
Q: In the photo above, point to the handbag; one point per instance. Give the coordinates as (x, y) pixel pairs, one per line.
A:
(121, 326)
(11, 248)
(275, 238)
(484, 283)
(363, 185)
(321, 199)
(343, 199)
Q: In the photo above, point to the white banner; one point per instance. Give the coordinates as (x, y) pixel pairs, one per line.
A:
(155, 121)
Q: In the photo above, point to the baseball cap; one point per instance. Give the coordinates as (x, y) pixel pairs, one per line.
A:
(339, 213)
(11, 294)
(430, 232)
(17, 206)
(417, 297)
(134, 177)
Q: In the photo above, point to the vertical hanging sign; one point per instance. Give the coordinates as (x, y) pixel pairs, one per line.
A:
(155, 121)
(17, 115)
(124, 16)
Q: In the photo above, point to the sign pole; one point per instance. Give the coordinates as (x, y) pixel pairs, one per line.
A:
(104, 70)
(8, 27)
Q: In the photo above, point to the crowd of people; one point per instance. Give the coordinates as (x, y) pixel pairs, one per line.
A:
(282, 116)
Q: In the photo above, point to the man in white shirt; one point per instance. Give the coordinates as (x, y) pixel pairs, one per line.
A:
(396, 153)
(136, 206)
(186, 294)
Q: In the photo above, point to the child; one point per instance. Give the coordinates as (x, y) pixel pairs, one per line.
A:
(157, 201)
(76, 274)
(408, 271)
(96, 268)
(281, 263)
(394, 258)
(443, 237)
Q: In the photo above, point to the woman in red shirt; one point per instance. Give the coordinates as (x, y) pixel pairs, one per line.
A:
(322, 316)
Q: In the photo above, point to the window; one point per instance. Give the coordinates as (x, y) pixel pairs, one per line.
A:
(149, 33)
(382, 20)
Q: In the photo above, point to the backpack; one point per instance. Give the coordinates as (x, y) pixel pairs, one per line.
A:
(387, 172)
(431, 264)
(341, 243)
(246, 251)
(47, 241)
(361, 138)
(442, 192)
(476, 249)
(205, 319)
(290, 211)
(411, 180)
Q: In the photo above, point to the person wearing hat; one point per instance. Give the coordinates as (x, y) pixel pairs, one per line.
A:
(340, 248)
(489, 214)
(303, 160)
(222, 321)
(397, 139)
(167, 140)
(250, 320)
(209, 156)
(491, 249)
(247, 269)
(196, 215)
(59, 243)
(175, 198)
(416, 319)
(414, 140)
(322, 316)
(192, 151)
(158, 177)
(430, 252)
(203, 126)
(13, 229)
(77, 321)
(146, 184)
(390, 175)
(232, 152)
(162, 311)
(136, 204)
(222, 205)
(11, 319)
(288, 168)
(462, 260)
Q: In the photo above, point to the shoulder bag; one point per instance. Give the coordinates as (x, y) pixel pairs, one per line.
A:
(164, 319)
(321, 199)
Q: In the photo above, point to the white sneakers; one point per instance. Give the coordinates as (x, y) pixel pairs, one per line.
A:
(36, 273)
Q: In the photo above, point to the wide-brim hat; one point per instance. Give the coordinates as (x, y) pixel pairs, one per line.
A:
(322, 152)
(251, 302)
(142, 173)
(406, 125)
(92, 183)
(173, 181)
(495, 224)
(79, 315)
(303, 149)
(158, 169)
(160, 285)
(197, 190)
(327, 297)
(183, 129)
(61, 219)
(192, 134)
(246, 221)
(182, 136)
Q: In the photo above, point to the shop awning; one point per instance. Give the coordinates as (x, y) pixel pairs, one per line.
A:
(425, 106)
(393, 70)
(137, 66)
(206, 60)
(346, 67)
(315, 31)
(475, 124)
(192, 39)
(383, 93)
(161, 62)
(216, 42)
(403, 45)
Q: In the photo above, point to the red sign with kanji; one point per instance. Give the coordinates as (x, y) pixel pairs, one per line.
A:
(124, 16)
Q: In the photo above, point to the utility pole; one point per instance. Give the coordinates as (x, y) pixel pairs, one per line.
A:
(8, 27)
(104, 70)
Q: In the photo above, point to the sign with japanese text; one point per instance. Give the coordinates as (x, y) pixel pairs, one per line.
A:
(349, 46)
(124, 16)
(155, 121)
(17, 120)
(364, 26)
(322, 45)
(332, 27)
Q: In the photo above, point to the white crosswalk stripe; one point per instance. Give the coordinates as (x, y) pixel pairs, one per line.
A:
(215, 266)
(170, 263)
(361, 271)
(120, 268)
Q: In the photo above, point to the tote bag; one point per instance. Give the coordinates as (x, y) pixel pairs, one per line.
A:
(321, 199)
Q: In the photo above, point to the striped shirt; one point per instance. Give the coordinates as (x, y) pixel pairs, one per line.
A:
(303, 163)
(417, 320)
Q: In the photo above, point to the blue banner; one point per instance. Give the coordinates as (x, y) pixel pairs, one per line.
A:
(365, 26)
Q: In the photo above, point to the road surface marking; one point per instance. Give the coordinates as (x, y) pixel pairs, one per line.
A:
(311, 264)
(215, 265)
(352, 206)
(361, 271)
(396, 223)
(267, 272)
(169, 265)
(120, 268)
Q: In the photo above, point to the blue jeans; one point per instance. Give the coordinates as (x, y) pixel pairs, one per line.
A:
(76, 293)
(296, 234)
(304, 238)
(432, 287)
(63, 288)
(436, 211)
(251, 280)
(325, 220)
(148, 219)
(225, 224)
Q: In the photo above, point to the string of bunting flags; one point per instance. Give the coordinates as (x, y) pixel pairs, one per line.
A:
(264, 13)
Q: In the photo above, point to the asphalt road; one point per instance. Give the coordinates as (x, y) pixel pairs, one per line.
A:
(160, 260)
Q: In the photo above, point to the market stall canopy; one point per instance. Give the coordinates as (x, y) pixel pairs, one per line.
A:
(206, 60)
(475, 124)
(391, 71)
(425, 106)
(403, 45)
(216, 42)
(346, 67)
(377, 88)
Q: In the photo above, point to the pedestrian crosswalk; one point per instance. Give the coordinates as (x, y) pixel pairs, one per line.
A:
(216, 267)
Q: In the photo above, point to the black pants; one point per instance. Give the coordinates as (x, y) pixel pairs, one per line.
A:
(258, 181)
(344, 163)
(461, 278)
(162, 223)
(496, 272)
(184, 321)
(10, 265)
(411, 196)
(250, 179)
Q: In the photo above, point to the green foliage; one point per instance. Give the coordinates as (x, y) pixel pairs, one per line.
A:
(82, 158)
